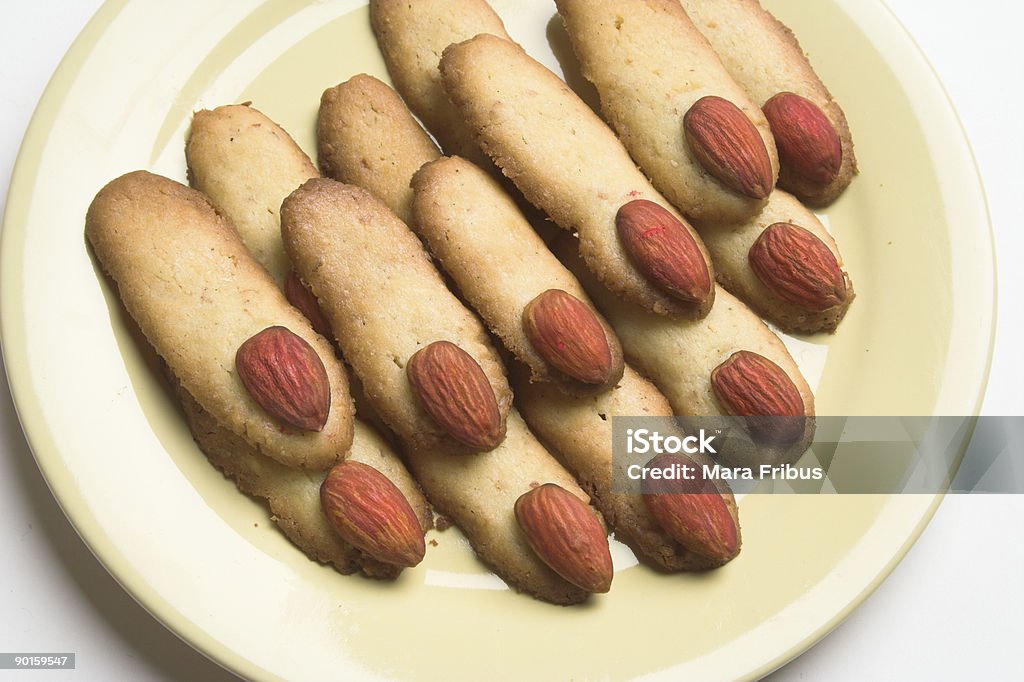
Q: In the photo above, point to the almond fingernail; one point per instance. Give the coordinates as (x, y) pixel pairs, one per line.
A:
(567, 535)
(691, 510)
(808, 144)
(795, 265)
(372, 514)
(566, 333)
(728, 146)
(664, 250)
(286, 377)
(752, 386)
(455, 392)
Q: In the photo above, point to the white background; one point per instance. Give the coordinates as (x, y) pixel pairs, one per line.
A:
(953, 608)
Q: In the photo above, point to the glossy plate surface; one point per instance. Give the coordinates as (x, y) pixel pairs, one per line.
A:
(207, 561)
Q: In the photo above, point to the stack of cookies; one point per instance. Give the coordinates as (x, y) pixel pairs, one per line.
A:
(407, 333)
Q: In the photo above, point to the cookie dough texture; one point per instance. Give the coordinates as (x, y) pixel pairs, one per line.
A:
(478, 492)
(367, 137)
(385, 300)
(679, 355)
(412, 36)
(247, 164)
(293, 495)
(764, 57)
(560, 155)
(579, 430)
(730, 244)
(649, 64)
(186, 278)
(485, 244)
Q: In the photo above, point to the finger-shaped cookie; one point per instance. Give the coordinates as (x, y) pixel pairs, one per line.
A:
(367, 137)
(508, 275)
(784, 264)
(247, 164)
(391, 291)
(387, 304)
(197, 294)
(479, 494)
(694, 131)
(579, 430)
(412, 36)
(566, 161)
(293, 495)
(810, 129)
(728, 363)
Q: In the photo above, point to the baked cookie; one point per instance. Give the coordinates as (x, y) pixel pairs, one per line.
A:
(764, 57)
(188, 281)
(412, 36)
(367, 137)
(665, 92)
(479, 493)
(247, 164)
(508, 275)
(566, 161)
(784, 264)
(391, 293)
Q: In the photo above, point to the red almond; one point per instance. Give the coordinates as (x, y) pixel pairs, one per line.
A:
(808, 144)
(567, 334)
(299, 295)
(456, 393)
(691, 511)
(751, 385)
(371, 513)
(567, 536)
(729, 146)
(286, 377)
(664, 250)
(798, 267)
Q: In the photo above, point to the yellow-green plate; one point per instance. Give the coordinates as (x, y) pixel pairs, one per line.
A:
(207, 562)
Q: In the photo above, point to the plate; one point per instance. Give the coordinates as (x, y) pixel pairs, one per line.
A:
(207, 561)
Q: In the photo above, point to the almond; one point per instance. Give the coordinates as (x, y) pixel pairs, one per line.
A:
(728, 146)
(664, 250)
(808, 144)
(455, 392)
(371, 513)
(299, 295)
(567, 334)
(798, 267)
(750, 385)
(567, 535)
(691, 511)
(286, 377)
